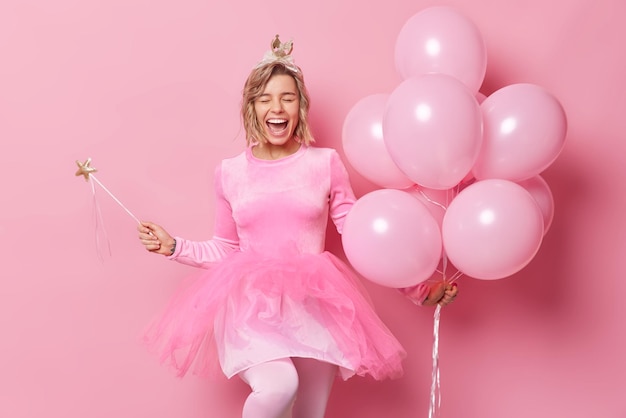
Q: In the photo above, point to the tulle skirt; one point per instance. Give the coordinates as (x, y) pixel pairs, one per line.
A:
(249, 309)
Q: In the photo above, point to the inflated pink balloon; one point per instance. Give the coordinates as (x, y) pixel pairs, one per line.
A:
(364, 146)
(524, 132)
(440, 39)
(432, 128)
(391, 239)
(492, 229)
(540, 190)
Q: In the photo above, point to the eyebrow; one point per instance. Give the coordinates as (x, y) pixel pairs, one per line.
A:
(281, 94)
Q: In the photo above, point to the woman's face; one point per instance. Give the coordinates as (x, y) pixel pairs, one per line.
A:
(277, 109)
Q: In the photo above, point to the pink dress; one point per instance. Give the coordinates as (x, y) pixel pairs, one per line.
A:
(269, 289)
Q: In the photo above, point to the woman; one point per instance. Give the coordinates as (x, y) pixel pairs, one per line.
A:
(280, 312)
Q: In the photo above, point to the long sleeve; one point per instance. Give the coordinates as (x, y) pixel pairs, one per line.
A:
(225, 239)
(417, 294)
(341, 195)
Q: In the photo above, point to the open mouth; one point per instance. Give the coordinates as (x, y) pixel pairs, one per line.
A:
(276, 126)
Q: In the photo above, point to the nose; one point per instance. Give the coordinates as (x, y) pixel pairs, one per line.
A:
(276, 106)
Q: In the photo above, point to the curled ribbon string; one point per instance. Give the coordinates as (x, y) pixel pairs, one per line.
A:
(425, 196)
(435, 386)
(455, 277)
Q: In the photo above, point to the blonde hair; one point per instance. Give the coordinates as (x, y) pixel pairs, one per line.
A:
(253, 89)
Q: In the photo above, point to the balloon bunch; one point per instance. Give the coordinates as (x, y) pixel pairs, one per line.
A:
(459, 172)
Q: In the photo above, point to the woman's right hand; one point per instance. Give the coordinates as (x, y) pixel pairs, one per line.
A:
(156, 239)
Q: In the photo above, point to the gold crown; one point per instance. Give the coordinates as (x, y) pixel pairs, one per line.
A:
(279, 51)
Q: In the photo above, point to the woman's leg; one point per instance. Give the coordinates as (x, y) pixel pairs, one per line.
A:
(274, 385)
(316, 380)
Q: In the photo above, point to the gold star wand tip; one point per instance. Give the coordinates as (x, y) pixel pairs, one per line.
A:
(85, 169)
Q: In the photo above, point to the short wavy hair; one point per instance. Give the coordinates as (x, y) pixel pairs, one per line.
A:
(253, 89)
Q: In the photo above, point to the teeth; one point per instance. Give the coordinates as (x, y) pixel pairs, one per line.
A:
(277, 120)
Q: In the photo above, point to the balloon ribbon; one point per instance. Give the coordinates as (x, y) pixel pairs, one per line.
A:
(435, 386)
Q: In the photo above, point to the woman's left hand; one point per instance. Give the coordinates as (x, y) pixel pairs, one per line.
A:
(449, 294)
(441, 293)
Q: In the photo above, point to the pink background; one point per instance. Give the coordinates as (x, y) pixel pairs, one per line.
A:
(150, 90)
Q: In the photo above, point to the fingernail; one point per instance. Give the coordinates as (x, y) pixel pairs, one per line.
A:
(454, 284)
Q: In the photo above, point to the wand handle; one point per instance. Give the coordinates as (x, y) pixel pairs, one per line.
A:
(114, 198)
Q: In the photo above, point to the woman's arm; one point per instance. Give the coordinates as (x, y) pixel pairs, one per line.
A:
(196, 253)
(341, 195)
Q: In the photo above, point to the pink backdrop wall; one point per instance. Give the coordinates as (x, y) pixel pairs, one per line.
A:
(150, 90)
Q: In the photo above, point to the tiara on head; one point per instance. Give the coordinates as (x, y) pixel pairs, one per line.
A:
(281, 52)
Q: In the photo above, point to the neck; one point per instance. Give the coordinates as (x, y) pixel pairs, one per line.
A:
(268, 151)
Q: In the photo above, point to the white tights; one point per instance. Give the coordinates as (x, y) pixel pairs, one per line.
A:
(291, 385)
